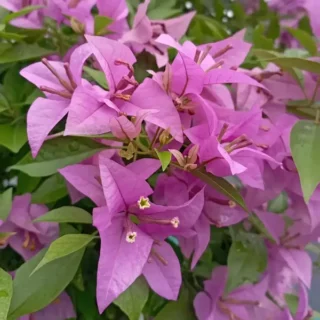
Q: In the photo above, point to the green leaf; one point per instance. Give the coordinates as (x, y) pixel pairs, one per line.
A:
(305, 39)
(259, 225)
(26, 184)
(305, 148)
(132, 301)
(165, 158)
(5, 204)
(181, 309)
(20, 13)
(292, 301)
(11, 36)
(279, 204)
(13, 137)
(22, 52)
(33, 292)
(5, 293)
(304, 24)
(51, 190)
(100, 25)
(56, 154)
(159, 9)
(15, 87)
(221, 185)
(97, 76)
(273, 31)
(260, 40)
(247, 259)
(66, 214)
(299, 63)
(64, 246)
(4, 103)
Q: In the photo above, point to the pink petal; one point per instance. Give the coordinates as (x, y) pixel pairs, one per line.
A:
(120, 262)
(273, 222)
(77, 60)
(114, 9)
(219, 76)
(165, 280)
(122, 128)
(61, 309)
(144, 168)
(150, 95)
(203, 306)
(167, 40)
(188, 77)
(85, 178)
(42, 117)
(177, 27)
(107, 52)
(233, 57)
(121, 186)
(38, 74)
(253, 292)
(187, 213)
(87, 115)
(202, 227)
(300, 263)
(303, 306)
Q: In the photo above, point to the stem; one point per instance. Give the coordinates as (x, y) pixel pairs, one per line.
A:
(154, 139)
(55, 135)
(317, 121)
(315, 91)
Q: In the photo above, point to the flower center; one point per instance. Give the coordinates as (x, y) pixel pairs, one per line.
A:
(29, 242)
(69, 85)
(144, 203)
(131, 236)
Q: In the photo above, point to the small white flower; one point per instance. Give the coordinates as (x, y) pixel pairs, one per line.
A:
(144, 203)
(131, 236)
(175, 222)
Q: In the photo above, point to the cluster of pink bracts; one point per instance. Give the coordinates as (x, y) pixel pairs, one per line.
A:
(240, 131)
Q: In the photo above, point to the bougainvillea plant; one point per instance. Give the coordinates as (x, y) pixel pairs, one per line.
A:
(159, 160)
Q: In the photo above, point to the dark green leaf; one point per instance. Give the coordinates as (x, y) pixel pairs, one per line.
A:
(51, 190)
(22, 52)
(279, 204)
(132, 301)
(97, 76)
(67, 214)
(34, 292)
(259, 225)
(304, 24)
(299, 63)
(247, 259)
(4, 103)
(26, 184)
(63, 247)
(220, 185)
(101, 24)
(5, 204)
(305, 40)
(20, 13)
(11, 36)
(5, 293)
(305, 148)
(159, 9)
(165, 158)
(181, 309)
(13, 137)
(260, 40)
(56, 154)
(273, 31)
(292, 301)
